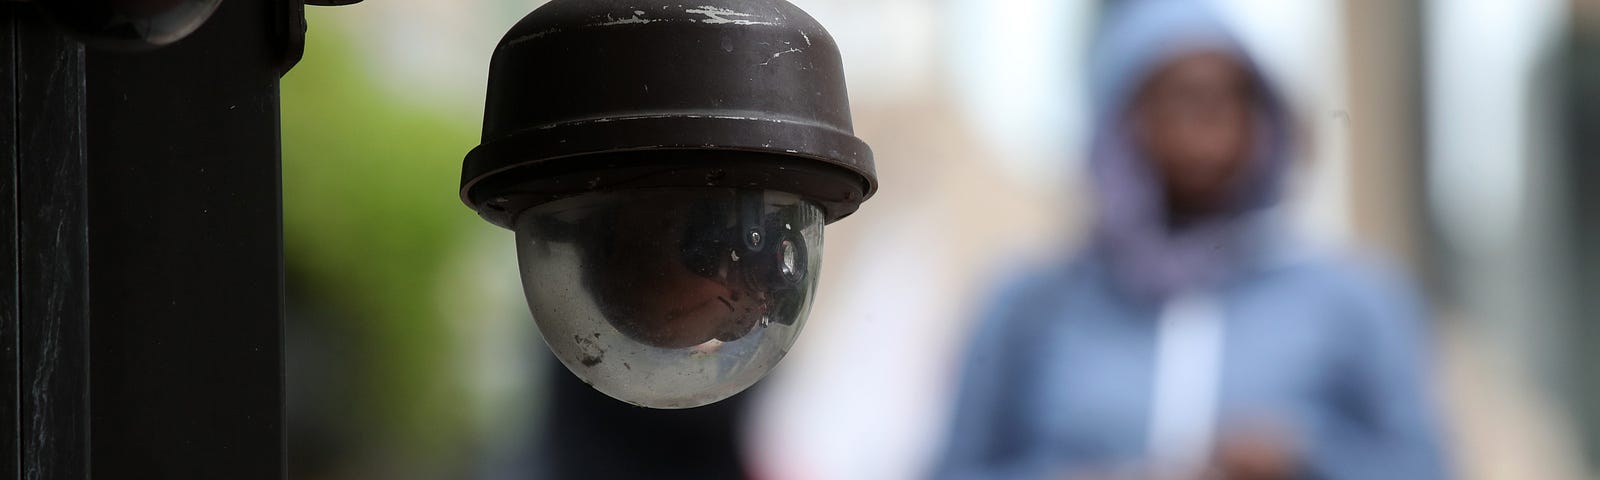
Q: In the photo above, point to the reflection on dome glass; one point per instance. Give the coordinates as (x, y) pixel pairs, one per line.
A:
(671, 298)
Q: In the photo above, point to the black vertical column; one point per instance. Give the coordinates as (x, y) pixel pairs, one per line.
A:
(10, 461)
(186, 240)
(51, 260)
(141, 285)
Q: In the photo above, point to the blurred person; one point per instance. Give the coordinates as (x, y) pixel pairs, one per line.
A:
(1195, 336)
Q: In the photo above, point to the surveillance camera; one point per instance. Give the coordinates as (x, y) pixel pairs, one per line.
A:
(668, 170)
(130, 25)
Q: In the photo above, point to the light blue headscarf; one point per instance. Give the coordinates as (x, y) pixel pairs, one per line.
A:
(1147, 258)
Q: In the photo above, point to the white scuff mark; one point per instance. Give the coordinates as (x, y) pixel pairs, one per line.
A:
(635, 19)
(532, 36)
(718, 16)
(780, 54)
(807, 37)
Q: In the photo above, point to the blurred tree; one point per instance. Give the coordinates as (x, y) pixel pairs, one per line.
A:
(1582, 111)
(370, 217)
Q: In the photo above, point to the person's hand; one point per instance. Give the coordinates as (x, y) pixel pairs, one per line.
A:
(1257, 454)
(1103, 474)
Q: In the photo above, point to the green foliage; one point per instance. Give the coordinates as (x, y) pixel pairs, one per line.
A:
(371, 218)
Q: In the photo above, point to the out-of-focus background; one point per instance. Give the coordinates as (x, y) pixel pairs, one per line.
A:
(1459, 137)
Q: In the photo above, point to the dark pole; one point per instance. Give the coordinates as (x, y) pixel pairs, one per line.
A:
(46, 203)
(141, 284)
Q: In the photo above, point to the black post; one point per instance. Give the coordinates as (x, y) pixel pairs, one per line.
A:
(141, 285)
(10, 429)
(47, 199)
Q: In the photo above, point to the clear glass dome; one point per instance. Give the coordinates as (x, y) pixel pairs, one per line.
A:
(671, 297)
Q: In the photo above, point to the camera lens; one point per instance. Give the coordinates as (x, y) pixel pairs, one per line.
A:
(671, 297)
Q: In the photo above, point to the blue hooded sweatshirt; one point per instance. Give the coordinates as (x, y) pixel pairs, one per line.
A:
(1149, 346)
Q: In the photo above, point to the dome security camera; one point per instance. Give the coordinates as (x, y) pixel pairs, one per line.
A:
(668, 170)
(142, 25)
(130, 24)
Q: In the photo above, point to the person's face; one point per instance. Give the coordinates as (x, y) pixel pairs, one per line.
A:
(673, 284)
(1195, 121)
(656, 298)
